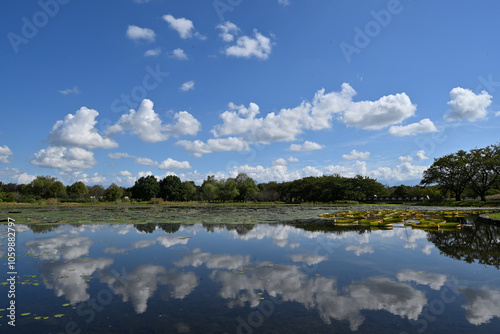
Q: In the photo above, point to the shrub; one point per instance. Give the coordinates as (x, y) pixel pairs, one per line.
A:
(30, 200)
(52, 201)
(156, 200)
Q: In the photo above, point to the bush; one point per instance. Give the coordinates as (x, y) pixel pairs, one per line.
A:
(10, 197)
(30, 200)
(52, 201)
(156, 200)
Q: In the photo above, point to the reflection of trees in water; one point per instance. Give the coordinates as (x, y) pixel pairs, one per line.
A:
(241, 229)
(479, 243)
(321, 225)
(42, 228)
(169, 228)
(148, 228)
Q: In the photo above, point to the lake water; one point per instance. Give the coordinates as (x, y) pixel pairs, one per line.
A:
(265, 278)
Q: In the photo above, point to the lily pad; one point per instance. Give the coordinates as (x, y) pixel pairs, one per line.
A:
(25, 314)
(58, 315)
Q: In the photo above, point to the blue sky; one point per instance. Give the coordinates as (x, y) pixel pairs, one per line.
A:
(109, 91)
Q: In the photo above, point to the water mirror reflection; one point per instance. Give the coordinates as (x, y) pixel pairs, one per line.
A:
(262, 278)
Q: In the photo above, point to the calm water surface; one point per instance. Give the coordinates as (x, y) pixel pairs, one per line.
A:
(174, 278)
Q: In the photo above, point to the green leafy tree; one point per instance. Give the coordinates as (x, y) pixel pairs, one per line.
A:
(113, 193)
(484, 169)
(40, 187)
(401, 191)
(77, 190)
(188, 191)
(56, 190)
(146, 188)
(247, 188)
(171, 188)
(228, 189)
(10, 187)
(366, 187)
(450, 172)
(209, 189)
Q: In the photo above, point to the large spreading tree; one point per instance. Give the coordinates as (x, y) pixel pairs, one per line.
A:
(450, 172)
(484, 169)
(477, 170)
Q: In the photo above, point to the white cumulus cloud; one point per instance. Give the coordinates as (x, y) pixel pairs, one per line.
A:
(467, 105)
(152, 52)
(424, 126)
(306, 146)
(401, 172)
(79, 130)
(5, 152)
(172, 164)
(280, 162)
(420, 155)
(65, 159)
(375, 115)
(147, 125)
(136, 33)
(198, 147)
(183, 26)
(24, 178)
(358, 168)
(289, 123)
(355, 155)
(179, 54)
(228, 31)
(17, 175)
(258, 46)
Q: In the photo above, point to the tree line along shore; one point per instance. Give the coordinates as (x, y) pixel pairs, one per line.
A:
(472, 175)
